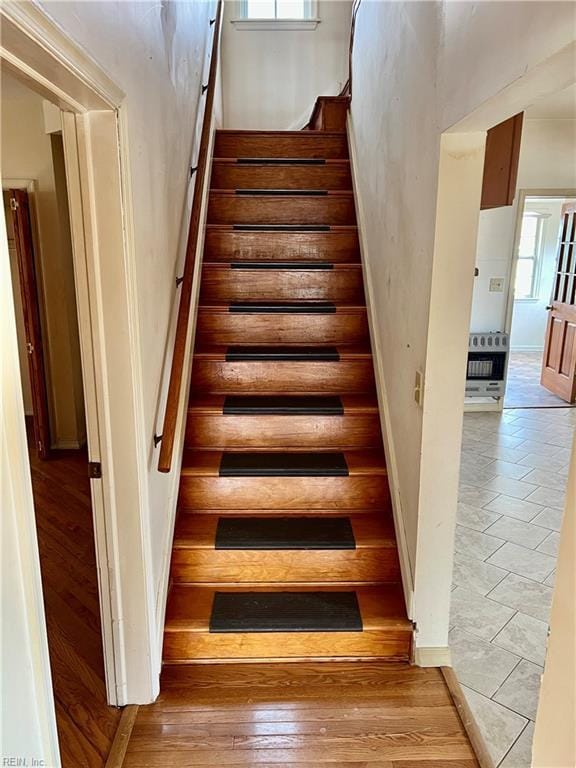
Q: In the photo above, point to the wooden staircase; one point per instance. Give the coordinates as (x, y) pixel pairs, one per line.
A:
(284, 546)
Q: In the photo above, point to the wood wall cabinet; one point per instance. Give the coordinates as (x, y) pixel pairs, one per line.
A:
(501, 163)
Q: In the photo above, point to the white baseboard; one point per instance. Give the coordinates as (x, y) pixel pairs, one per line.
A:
(68, 445)
(383, 407)
(526, 348)
(433, 657)
(473, 406)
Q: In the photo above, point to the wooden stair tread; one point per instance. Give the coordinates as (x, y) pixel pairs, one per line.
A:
(334, 229)
(371, 531)
(340, 309)
(207, 463)
(338, 161)
(213, 404)
(189, 606)
(218, 352)
(295, 266)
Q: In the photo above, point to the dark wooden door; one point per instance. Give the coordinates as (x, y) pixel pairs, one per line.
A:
(30, 304)
(559, 362)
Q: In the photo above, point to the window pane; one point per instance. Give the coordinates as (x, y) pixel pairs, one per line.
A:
(528, 236)
(524, 274)
(260, 9)
(291, 9)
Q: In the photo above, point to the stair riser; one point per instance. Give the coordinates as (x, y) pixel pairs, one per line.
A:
(236, 328)
(185, 646)
(292, 567)
(257, 209)
(364, 493)
(283, 432)
(228, 245)
(233, 176)
(221, 377)
(306, 145)
(336, 285)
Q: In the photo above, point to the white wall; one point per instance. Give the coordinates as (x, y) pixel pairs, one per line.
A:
(271, 78)
(27, 154)
(547, 161)
(154, 52)
(418, 68)
(395, 120)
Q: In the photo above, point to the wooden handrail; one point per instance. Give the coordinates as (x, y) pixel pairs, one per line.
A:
(177, 370)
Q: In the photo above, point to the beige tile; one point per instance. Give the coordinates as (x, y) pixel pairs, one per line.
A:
(476, 614)
(518, 489)
(551, 580)
(547, 479)
(508, 469)
(550, 544)
(517, 508)
(475, 575)
(476, 475)
(524, 636)
(550, 517)
(506, 454)
(499, 726)
(548, 496)
(517, 531)
(478, 664)
(520, 756)
(476, 497)
(524, 595)
(520, 691)
(475, 544)
(525, 562)
(542, 449)
(475, 518)
(538, 461)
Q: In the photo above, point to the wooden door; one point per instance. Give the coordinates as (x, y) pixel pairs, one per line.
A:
(31, 308)
(559, 362)
(501, 163)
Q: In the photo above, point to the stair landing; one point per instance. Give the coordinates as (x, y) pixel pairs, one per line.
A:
(301, 715)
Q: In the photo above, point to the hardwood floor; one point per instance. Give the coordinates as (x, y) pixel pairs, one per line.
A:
(86, 724)
(355, 715)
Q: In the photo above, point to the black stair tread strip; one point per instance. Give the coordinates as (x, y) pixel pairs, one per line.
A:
(292, 354)
(281, 161)
(280, 533)
(281, 227)
(282, 192)
(296, 265)
(304, 405)
(283, 307)
(282, 464)
(285, 612)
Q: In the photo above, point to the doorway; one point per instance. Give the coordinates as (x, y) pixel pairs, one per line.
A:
(38, 226)
(533, 279)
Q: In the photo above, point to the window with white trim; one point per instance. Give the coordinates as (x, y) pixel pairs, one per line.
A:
(529, 256)
(281, 10)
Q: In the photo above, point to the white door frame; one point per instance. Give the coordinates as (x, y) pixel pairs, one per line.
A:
(520, 203)
(458, 201)
(36, 51)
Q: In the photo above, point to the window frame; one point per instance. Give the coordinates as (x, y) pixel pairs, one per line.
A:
(536, 258)
(243, 22)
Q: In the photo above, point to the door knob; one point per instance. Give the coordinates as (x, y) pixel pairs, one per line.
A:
(549, 307)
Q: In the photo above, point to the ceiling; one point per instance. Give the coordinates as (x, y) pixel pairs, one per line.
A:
(559, 106)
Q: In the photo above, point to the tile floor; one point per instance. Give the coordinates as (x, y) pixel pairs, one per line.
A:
(523, 388)
(513, 478)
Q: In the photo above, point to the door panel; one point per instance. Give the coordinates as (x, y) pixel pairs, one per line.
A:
(29, 289)
(559, 362)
